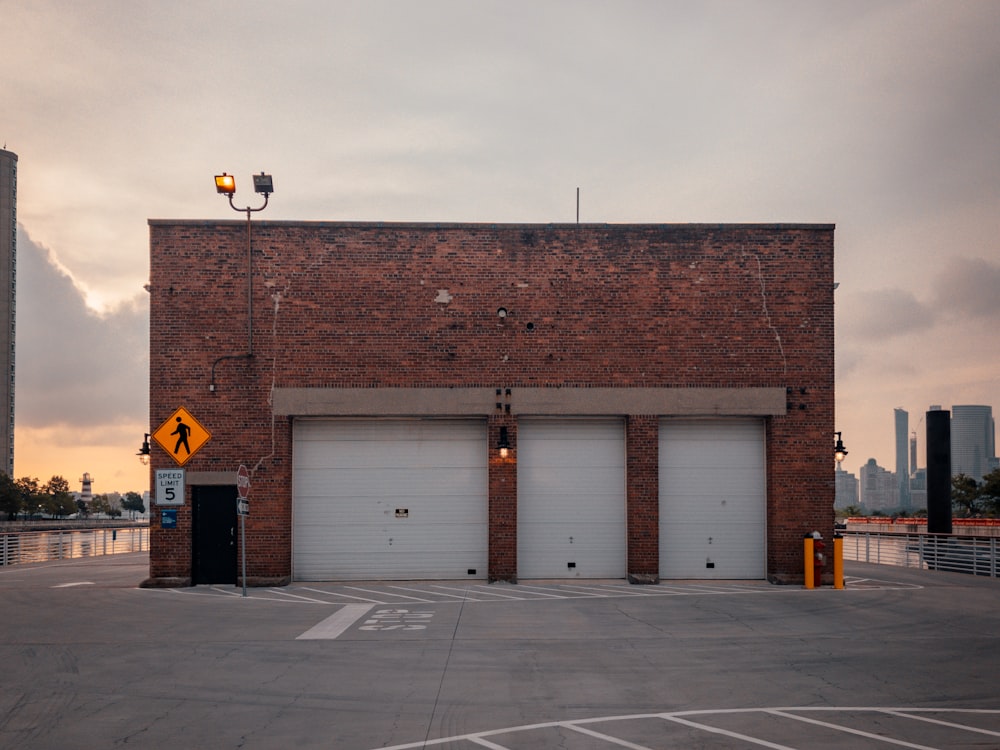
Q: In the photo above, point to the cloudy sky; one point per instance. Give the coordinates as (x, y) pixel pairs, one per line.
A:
(882, 116)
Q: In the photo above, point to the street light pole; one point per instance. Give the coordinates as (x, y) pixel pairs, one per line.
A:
(225, 184)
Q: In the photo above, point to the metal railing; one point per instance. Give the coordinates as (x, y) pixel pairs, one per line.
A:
(958, 554)
(18, 547)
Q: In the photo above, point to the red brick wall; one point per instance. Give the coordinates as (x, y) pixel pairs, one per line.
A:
(503, 501)
(642, 516)
(358, 305)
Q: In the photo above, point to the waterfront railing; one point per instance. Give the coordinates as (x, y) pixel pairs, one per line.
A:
(974, 555)
(19, 547)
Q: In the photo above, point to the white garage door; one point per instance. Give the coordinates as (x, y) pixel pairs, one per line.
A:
(389, 499)
(571, 499)
(712, 499)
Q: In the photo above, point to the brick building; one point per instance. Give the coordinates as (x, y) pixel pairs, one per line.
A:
(498, 402)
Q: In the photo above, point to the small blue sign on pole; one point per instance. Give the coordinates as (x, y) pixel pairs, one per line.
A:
(168, 518)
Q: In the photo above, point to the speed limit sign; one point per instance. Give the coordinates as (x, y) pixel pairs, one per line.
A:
(170, 486)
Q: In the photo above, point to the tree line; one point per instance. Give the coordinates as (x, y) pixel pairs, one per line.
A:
(972, 499)
(28, 497)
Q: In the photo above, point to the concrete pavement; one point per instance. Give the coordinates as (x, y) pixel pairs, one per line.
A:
(92, 661)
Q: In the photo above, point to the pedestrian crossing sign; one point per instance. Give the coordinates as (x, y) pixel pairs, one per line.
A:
(181, 435)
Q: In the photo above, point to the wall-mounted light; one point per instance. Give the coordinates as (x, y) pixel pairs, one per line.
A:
(503, 444)
(839, 451)
(143, 453)
(501, 312)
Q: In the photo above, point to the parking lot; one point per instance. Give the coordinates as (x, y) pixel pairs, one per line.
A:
(901, 657)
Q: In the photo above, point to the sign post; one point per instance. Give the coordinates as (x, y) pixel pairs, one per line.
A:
(243, 510)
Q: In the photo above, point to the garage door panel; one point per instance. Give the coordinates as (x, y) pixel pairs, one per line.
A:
(691, 481)
(591, 480)
(389, 499)
(728, 510)
(712, 499)
(577, 509)
(571, 498)
(401, 455)
(354, 512)
(357, 482)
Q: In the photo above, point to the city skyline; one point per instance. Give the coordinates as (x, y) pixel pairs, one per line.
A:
(974, 425)
(876, 116)
(973, 454)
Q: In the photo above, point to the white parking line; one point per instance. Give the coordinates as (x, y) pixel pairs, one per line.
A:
(298, 597)
(849, 730)
(929, 720)
(726, 733)
(336, 623)
(463, 597)
(343, 596)
(488, 592)
(487, 744)
(536, 591)
(689, 718)
(400, 596)
(606, 737)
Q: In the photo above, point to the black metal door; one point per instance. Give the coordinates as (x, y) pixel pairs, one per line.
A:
(213, 543)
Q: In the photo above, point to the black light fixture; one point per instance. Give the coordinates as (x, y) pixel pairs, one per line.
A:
(503, 444)
(262, 183)
(839, 451)
(143, 453)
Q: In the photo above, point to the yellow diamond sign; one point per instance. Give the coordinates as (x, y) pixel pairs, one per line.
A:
(181, 435)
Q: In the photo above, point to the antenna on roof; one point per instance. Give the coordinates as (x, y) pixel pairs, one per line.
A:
(578, 205)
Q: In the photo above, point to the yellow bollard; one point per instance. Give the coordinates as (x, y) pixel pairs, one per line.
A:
(838, 561)
(809, 570)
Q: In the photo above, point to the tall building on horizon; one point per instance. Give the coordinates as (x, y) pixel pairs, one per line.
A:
(846, 488)
(973, 447)
(878, 487)
(8, 289)
(902, 419)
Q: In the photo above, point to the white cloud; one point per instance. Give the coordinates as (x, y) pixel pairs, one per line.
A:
(75, 368)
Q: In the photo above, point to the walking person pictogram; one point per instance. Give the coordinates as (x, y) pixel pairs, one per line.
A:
(182, 431)
(181, 436)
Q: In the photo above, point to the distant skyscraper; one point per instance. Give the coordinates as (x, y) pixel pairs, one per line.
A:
(918, 489)
(879, 490)
(846, 488)
(972, 441)
(903, 457)
(8, 286)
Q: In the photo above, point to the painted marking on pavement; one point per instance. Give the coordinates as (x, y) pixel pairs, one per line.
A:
(463, 596)
(342, 596)
(298, 597)
(334, 625)
(606, 737)
(397, 619)
(401, 596)
(687, 718)
(75, 583)
(849, 730)
(726, 733)
(951, 724)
